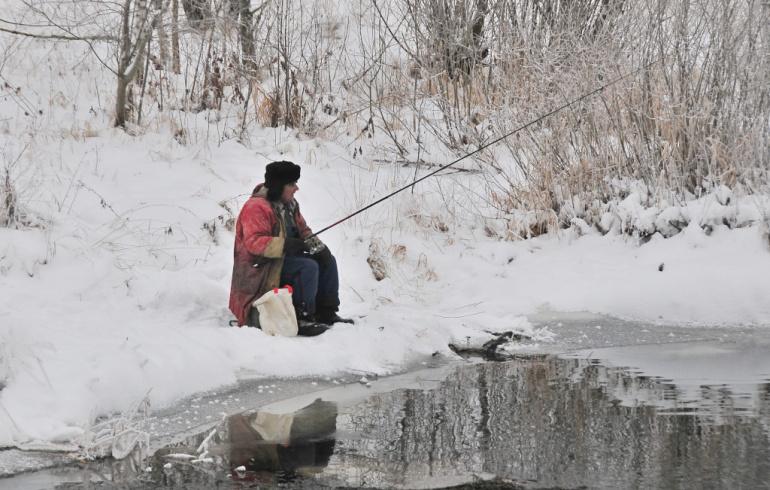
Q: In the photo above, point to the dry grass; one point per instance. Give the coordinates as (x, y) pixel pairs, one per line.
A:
(695, 120)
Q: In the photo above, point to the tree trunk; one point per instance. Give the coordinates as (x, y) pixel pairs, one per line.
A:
(162, 37)
(195, 10)
(120, 101)
(131, 53)
(246, 36)
(175, 36)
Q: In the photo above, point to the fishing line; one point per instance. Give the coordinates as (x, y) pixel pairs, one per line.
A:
(493, 142)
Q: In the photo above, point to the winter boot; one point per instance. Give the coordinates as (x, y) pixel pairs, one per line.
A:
(331, 318)
(326, 310)
(307, 326)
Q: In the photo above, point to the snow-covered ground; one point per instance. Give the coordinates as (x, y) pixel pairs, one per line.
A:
(119, 299)
(117, 284)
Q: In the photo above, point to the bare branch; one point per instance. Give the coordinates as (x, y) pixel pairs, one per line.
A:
(59, 37)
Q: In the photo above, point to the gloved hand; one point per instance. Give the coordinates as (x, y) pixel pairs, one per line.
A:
(293, 246)
(323, 256)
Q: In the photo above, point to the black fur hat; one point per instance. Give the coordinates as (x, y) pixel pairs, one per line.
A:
(277, 175)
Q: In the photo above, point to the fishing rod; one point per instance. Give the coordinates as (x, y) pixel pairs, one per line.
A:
(493, 142)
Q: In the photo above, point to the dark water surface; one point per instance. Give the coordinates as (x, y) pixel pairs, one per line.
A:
(538, 421)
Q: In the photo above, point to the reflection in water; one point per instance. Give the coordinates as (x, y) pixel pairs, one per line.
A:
(268, 447)
(539, 421)
(259, 447)
(553, 421)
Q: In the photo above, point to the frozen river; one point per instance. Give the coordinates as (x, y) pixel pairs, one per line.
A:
(608, 404)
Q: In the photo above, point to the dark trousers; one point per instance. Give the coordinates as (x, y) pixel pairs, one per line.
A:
(314, 286)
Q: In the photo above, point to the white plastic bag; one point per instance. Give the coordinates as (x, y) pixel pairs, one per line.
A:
(276, 313)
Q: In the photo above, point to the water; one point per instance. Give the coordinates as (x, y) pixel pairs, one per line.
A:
(548, 421)
(680, 415)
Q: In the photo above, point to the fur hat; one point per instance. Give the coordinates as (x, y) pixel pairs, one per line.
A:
(277, 175)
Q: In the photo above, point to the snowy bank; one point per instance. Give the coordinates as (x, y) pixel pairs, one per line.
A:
(125, 292)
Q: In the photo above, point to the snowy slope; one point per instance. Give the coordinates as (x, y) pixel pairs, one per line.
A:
(116, 283)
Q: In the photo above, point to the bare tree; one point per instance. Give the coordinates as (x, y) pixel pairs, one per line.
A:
(460, 73)
(126, 30)
(245, 18)
(695, 118)
(136, 30)
(197, 12)
(175, 36)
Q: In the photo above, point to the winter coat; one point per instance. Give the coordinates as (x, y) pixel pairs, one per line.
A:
(258, 255)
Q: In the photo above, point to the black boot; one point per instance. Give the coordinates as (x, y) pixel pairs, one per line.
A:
(326, 310)
(307, 325)
(330, 318)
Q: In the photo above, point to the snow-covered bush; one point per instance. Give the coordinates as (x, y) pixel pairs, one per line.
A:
(667, 121)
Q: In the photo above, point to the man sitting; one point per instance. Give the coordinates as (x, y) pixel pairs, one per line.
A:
(272, 250)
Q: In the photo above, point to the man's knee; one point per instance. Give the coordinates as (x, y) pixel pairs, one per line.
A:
(300, 268)
(308, 271)
(312, 268)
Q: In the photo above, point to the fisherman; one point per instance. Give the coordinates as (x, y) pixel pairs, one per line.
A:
(272, 250)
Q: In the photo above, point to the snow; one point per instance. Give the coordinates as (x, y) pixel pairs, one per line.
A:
(99, 310)
(118, 286)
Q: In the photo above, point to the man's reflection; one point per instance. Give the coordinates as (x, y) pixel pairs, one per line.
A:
(279, 448)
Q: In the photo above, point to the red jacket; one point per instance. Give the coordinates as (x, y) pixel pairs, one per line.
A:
(258, 254)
